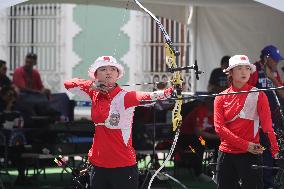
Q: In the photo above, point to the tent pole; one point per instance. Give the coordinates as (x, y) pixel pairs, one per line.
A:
(191, 24)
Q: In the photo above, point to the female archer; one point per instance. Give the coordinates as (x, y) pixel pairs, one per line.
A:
(237, 119)
(112, 155)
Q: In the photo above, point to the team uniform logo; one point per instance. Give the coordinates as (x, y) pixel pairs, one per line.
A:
(114, 119)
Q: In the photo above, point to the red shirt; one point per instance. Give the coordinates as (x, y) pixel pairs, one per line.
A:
(197, 118)
(108, 149)
(23, 80)
(236, 135)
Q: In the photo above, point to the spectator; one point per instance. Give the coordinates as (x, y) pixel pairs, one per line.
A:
(199, 122)
(266, 76)
(218, 81)
(28, 79)
(8, 98)
(9, 118)
(34, 99)
(205, 126)
(4, 80)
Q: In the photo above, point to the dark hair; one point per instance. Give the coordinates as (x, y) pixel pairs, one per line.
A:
(229, 77)
(161, 85)
(2, 62)
(6, 89)
(31, 56)
(225, 60)
(262, 56)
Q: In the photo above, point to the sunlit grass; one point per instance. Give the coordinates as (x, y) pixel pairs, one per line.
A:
(143, 163)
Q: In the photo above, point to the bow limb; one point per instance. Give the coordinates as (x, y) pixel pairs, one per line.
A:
(177, 83)
(176, 80)
(162, 28)
(176, 114)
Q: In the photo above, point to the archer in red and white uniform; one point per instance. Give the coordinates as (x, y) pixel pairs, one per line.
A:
(112, 154)
(237, 119)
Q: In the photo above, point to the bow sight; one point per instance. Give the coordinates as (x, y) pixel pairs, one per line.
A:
(194, 67)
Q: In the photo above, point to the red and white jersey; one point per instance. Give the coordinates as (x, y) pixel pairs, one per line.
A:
(199, 118)
(112, 114)
(23, 80)
(236, 120)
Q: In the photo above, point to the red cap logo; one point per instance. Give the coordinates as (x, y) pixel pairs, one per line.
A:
(243, 58)
(106, 58)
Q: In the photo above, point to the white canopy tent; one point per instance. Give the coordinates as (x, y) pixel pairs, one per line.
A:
(176, 10)
(219, 27)
(6, 4)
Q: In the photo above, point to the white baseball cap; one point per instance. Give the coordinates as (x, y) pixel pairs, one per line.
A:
(105, 61)
(239, 60)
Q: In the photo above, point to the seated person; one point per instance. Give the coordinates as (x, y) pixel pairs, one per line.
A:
(4, 80)
(218, 81)
(8, 115)
(28, 79)
(205, 126)
(33, 98)
(8, 98)
(198, 122)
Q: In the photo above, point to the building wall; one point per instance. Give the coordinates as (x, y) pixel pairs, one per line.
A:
(4, 51)
(100, 34)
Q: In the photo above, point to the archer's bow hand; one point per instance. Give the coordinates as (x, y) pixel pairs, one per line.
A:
(177, 86)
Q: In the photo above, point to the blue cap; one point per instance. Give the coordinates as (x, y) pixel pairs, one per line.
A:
(272, 52)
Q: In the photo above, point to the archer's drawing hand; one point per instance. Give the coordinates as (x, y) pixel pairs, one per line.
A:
(99, 86)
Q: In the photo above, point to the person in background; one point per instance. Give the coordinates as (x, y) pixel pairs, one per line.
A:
(8, 117)
(198, 123)
(33, 99)
(4, 79)
(218, 81)
(205, 126)
(237, 119)
(267, 76)
(28, 79)
(112, 156)
(8, 97)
